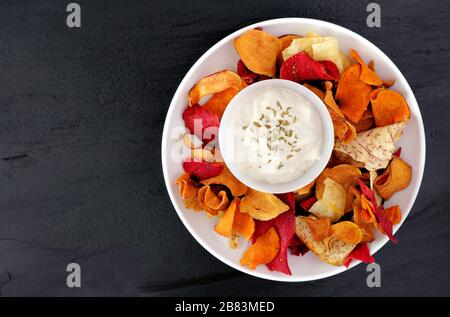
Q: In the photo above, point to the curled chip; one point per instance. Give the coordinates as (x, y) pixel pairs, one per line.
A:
(213, 83)
(332, 203)
(320, 227)
(362, 253)
(229, 180)
(346, 231)
(301, 67)
(201, 122)
(243, 224)
(262, 206)
(202, 170)
(212, 203)
(352, 93)
(284, 224)
(225, 225)
(344, 131)
(389, 107)
(368, 75)
(258, 50)
(395, 178)
(263, 251)
(372, 149)
(345, 175)
(393, 214)
(187, 186)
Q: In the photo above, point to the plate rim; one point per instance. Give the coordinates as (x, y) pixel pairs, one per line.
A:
(268, 276)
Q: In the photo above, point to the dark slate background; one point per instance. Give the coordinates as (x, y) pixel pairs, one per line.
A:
(81, 118)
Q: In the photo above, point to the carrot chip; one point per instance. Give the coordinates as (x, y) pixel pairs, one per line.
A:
(263, 251)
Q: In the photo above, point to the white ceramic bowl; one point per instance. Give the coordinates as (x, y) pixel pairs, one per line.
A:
(223, 56)
(226, 137)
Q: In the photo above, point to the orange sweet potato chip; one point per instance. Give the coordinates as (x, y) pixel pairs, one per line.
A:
(225, 225)
(389, 107)
(259, 51)
(368, 74)
(345, 175)
(187, 186)
(211, 202)
(352, 93)
(366, 122)
(306, 190)
(320, 227)
(366, 213)
(212, 84)
(263, 251)
(346, 231)
(396, 177)
(220, 100)
(229, 180)
(344, 131)
(393, 214)
(243, 224)
(262, 206)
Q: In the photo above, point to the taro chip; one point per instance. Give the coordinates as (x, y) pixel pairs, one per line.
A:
(320, 227)
(284, 225)
(383, 221)
(389, 107)
(262, 206)
(225, 225)
(352, 93)
(263, 251)
(301, 67)
(201, 122)
(212, 84)
(259, 51)
(202, 170)
(346, 231)
(396, 177)
(393, 214)
(229, 180)
(368, 75)
(212, 203)
(362, 253)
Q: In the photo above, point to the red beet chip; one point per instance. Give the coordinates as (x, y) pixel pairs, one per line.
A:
(246, 74)
(361, 252)
(201, 122)
(284, 224)
(385, 224)
(398, 152)
(202, 170)
(331, 69)
(297, 246)
(308, 202)
(301, 67)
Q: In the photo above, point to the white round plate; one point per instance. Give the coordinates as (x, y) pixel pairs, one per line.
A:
(223, 56)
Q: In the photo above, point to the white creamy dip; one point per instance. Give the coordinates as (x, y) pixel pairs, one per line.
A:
(277, 135)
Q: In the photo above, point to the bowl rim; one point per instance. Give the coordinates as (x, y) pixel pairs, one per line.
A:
(165, 134)
(326, 127)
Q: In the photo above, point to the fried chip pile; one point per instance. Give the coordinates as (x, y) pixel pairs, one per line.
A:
(337, 214)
